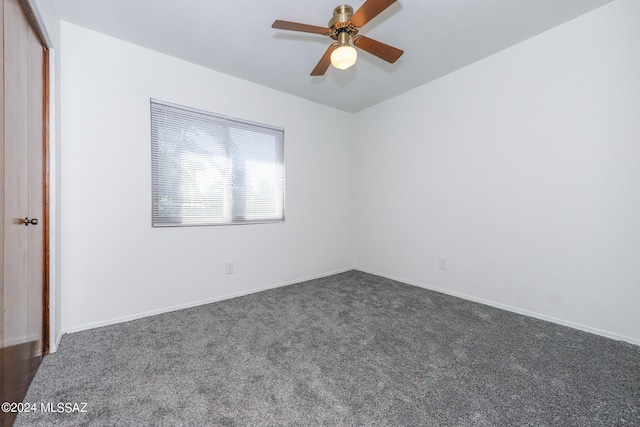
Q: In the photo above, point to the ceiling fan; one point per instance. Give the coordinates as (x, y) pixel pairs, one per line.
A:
(343, 28)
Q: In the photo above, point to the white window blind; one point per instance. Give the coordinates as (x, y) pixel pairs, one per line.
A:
(213, 170)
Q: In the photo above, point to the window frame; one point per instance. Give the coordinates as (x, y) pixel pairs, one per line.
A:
(227, 122)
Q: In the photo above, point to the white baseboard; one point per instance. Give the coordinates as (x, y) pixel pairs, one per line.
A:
(54, 344)
(551, 319)
(192, 304)
(536, 315)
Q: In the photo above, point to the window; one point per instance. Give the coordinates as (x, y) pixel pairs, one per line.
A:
(213, 170)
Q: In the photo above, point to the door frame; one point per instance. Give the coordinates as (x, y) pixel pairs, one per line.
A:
(34, 20)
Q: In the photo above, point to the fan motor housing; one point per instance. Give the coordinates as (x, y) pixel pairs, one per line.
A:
(341, 15)
(341, 23)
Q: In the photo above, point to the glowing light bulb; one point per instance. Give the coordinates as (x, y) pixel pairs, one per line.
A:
(344, 57)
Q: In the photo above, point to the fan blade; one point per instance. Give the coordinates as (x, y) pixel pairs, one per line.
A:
(325, 61)
(381, 50)
(294, 26)
(369, 10)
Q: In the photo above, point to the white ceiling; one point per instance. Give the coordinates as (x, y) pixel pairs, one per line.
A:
(235, 37)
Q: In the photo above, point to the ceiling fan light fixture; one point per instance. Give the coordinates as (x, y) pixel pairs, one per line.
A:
(344, 28)
(344, 57)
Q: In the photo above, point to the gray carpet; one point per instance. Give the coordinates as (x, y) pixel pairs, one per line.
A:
(350, 349)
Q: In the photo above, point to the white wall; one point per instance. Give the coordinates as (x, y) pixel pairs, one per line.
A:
(115, 266)
(524, 170)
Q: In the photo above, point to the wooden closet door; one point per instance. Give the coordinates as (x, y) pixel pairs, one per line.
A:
(16, 199)
(23, 204)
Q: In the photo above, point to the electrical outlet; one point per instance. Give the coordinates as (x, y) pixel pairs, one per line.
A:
(228, 267)
(443, 263)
